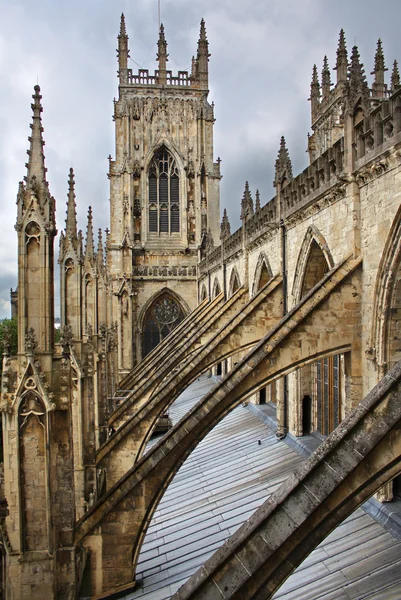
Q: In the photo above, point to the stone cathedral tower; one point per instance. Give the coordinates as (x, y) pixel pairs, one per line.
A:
(164, 195)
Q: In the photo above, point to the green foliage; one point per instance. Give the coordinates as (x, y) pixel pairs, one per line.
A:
(8, 337)
(57, 334)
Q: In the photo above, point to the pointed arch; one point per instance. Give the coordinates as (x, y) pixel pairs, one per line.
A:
(235, 282)
(263, 273)
(33, 467)
(203, 293)
(216, 288)
(160, 315)
(386, 317)
(314, 261)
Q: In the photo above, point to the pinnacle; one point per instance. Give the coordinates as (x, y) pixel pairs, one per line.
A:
(123, 31)
(71, 220)
(246, 203)
(283, 163)
(356, 70)
(342, 58)
(379, 59)
(326, 79)
(257, 200)
(100, 257)
(36, 163)
(395, 77)
(225, 228)
(202, 35)
(315, 85)
(89, 248)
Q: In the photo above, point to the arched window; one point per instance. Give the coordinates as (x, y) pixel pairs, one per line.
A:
(161, 318)
(164, 194)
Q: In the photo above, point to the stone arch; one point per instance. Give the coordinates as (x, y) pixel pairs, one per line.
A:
(263, 273)
(386, 316)
(164, 143)
(203, 293)
(33, 472)
(160, 315)
(314, 261)
(216, 288)
(235, 282)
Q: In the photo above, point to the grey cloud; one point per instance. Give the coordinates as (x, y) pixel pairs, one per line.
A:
(260, 70)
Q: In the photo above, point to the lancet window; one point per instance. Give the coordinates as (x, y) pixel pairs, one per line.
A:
(164, 195)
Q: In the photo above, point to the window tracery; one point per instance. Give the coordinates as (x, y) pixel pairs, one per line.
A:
(164, 196)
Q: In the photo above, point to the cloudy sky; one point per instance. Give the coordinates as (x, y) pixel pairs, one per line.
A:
(262, 54)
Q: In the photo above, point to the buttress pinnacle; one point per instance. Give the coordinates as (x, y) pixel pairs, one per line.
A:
(71, 220)
(89, 247)
(378, 86)
(342, 58)
(283, 165)
(36, 162)
(395, 77)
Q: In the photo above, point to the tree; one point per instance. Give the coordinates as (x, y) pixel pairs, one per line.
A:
(8, 338)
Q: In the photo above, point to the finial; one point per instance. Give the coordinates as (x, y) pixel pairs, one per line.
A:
(89, 247)
(71, 220)
(36, 163)
(123, 31)
(379, 87)
(326, 81)
(395, 77)
(283, 165)
(342, 58)
(225, 228)
(257, 201)
(246, 203)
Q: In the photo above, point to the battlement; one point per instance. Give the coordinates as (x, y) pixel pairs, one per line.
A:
(143, 77)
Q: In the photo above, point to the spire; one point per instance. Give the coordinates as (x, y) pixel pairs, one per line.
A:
(100, 254)
(225, 228)
(123, 52)
(246, 203)
(90, 246)
(162, 56)
(314, 91)
(326, 81)
(283, 165)
(36, 162)
(379, 87)
(71, 220)
(342, 59)
(257, 201)
(202, 58)
(395, 77)
(357, 79)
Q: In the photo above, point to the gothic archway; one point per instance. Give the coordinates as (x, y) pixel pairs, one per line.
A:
(385, 347)
(314, 261)
(216, 288)
(234, 282)
(203, 294)
(33, 467)
(161, 317)
(263, 273)
(323, 380)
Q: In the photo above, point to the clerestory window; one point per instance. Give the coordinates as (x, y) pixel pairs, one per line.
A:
(164, 195)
